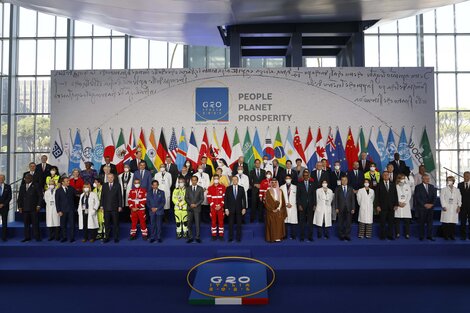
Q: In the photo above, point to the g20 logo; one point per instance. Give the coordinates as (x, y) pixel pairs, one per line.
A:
(212, 104)
(230, 280)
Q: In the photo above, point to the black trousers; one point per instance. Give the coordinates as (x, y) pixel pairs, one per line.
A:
(406, 222)
(67, 220)
(256, 212)
(305, 216)
(31, 219)
(448, 230)
(464, 217)
(54, 233)
(111, 217)
(194, 218)
(205, 213)
(387, 220)
(291, 230)
(4, 214)
(88, 233)
(344, 223)
(425, 221)
(235, 217)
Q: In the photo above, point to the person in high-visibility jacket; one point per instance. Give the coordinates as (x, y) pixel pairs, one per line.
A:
(98, 187)
(215, 197)
(181, 209)
(136, 201)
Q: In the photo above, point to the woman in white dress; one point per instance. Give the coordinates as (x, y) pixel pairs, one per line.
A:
(88, 206)
(451, 200)
(403, 211)
(322, 215)
(365, 199)
(52, 218)
(290, 194)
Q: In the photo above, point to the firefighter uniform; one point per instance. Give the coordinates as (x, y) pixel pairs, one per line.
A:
(215, 196)
(136, 201)
(181, 212)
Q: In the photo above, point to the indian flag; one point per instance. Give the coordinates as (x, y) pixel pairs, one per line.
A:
(151, 156)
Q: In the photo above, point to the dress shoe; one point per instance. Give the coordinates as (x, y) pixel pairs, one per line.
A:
(63, 240)
(152, 240)
(189, 240)
(452, 238)
(105, 240)
(50, 239)
(463, 238)
(431, 239)
(198, 240)
(38, 240)
(214, 238)
(407, 236)
(72, 240)
(391, 238)
(25, 240)
(319, 235)
(421, 238)
(238, 240)
(347, 238)
(159, 241)
(92, 240)
(84, 240)
(4, 240)
(230, 240)
(116, 240)
(310, 239)
(301, 240)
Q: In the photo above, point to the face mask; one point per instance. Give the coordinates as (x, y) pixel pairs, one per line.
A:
(450, 183)
(337, 167)
(95, 185)
(240, 172)
(372, 169)
(200, 170)
(265, 161)
(86, 189)
(324, 185)
(53, 173)
(402, 181)
(181, 185)
(288, 181)
(137, 185)
(366, 184)
(162, 169)
(187, 163)
(268, 176)
(126, 169)
(216, 181)
(51, 187)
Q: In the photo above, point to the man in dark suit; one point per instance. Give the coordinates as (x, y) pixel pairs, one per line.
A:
(240, 162)
(43, 169)
(464, 214)
(279, 173)
(65, 205)
(111, 203)
(292, 173)
(134, 164)
(318, 175)
(356, 177)
(29, 199)
(345, 205)
(112, 167)
(393, 174)
(256, 176)
(194, 198)
(425, 197)
(399, 166)
(35, 174)
(306, 201)
(364, 164)
(386, 200)
(206, 167)
(171, 168)
(144, 176)
(235, 208)
(335, 176)
(5, 198)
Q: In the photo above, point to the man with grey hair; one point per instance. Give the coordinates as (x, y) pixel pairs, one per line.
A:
(425, 197)
(5, 198)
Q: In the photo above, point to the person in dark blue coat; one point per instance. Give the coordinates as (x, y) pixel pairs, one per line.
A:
(29, 199)
(65, 205)
(425, 198)
(156, 204)
(5, 198)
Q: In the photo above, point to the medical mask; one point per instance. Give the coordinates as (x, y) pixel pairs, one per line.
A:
(324, 185)
(366, 184)
(268, 176)
(372, 169)
(162, 169)
(288, 181)
(137, 185)
(126, 169)
(188, 164)
(450, 183)
(337, 167)
(86, 189)
(53, 173)
(216, 181)
(95, 185)
(240, 172)
(181, 185)
(200, 170)
(51, 187)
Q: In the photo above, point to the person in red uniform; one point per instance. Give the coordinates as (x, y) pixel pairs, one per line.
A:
(264, 186)
(215, 197)
(76, 182)
(136, 201)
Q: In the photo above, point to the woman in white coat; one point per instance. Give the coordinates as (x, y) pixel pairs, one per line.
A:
(290, 194)
(52, 218)
(323, 210)
(451, 200)
(365, 199)
(403, 211)
(164, 183)
(88, 206)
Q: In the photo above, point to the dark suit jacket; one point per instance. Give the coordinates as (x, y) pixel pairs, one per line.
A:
(111, 200)
(422, 197)
(145, 183)
(317, 182)
(30, 199)
(112, 166)
(364, 168)
(347, 202)
(295, 177)
(386, 200)
(307, 199)
(173, 172)
(398, 169)
(334, 177)
(43, 174)
(37, 178)
(5, 198)
(235, 169)
(255, 179)
(134, 165)
(194, 197)
(465, 195)
(281, 175)
(65, 202)
(232, 204)
(356, 182)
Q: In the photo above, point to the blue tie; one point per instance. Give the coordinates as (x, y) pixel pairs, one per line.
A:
(1, 191)
(306, 185)
(235, 192)
(345, 191)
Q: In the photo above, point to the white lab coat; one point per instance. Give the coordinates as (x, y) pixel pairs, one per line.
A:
(164, 183)
(226, 171)
(52, 218)
(244, 181)
(323, 211)
(129, 186)
(291, 198)
(268, 166)
(93, 206)
(204, 181)
(366, 205)
(451, 199)
(404, 195)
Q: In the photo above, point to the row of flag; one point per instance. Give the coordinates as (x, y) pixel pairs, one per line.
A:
(77, 150)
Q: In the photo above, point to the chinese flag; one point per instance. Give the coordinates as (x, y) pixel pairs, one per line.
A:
(351, 150)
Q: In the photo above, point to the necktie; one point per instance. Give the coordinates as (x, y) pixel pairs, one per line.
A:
(363, 164)
(386, 185)
(288, 172)
(235, 192)
(111, 186)
(194, 189)
(318, 175)
(1, 190)
(154, 192)
(306, 185)
(391, 177)
(142, 174)
(345, 191)
(43, 167)
(257, 173)
(355, 173)
(466, 186)
(168, 167)
(426, 187)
